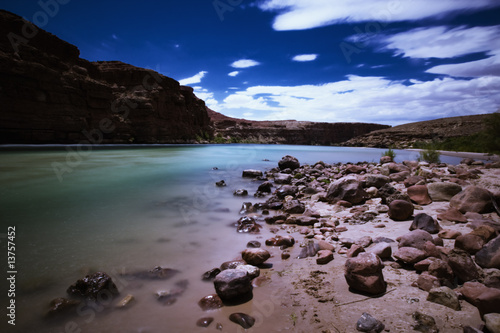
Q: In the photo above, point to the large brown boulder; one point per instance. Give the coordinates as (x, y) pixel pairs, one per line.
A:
(346, 189)
(255, 256)
(419, 194)
(233, 285)
(400, 210)
(364, 273)
(416, 238)
(489, 255)
(473, 199)
(487, 300)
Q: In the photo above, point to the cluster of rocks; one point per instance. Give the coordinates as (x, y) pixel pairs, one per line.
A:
(469, 269)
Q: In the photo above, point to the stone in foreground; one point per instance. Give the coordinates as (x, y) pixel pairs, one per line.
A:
(233, 285)
(256, 256)
(364, 274)
(369, 324)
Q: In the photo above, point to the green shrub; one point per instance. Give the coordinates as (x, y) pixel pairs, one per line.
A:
(390, 153)
(429, 155)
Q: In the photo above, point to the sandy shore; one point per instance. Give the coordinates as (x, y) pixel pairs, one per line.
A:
(298, 295)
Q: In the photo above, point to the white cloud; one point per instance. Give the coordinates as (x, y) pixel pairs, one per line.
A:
(244, 63)
(233, 74)
(367, 99)
(193, 79)
(442, 42)
(206, 96)
(308, 14)
(305, 57)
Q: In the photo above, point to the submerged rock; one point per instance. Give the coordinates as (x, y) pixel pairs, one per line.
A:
(204, 322)
(242, 319)
(247, 224)
(157, 273)
(94, 287)
(61, 305)
(210, 302)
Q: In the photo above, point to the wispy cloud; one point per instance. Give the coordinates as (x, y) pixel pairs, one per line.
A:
(308, 14)
(367, 99)
(193, 79)
(447, 43)
(305, 57)
(245, 63)
(234, 73)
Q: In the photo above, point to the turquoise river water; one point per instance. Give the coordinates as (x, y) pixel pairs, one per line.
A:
(126, 209)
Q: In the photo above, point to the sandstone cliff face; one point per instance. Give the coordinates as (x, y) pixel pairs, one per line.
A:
(404, 136)
(49, 95)
(288, 131)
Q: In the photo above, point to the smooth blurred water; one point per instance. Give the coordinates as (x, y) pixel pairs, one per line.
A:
(134, 208)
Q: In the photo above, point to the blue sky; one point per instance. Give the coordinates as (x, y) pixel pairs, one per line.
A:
(382, 61)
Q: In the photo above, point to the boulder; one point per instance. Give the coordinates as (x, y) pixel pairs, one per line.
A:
(94, 287)
(443, 191)
(425, 222)
(252, 271)
(282, 178)
(255, 256)
(416, 238)
(294, 207)
(369, 324)
(444, 296)
(373, 180)
(409, 255)
(491, 277)
(462, 265)
(287, 241)
(356, 169)
(385, 159)
(346, 189)
(233, 264)
(400, 210)
(233, 285)
(364, 274)
(487, 300)
(265, 187)
(419, 194)
(354, 251)
(252, 173)
(473, 199)
(399, 176)
(492, 322)
(440, 269)
(414, 180)
(324, 257)
(449, 234)
(247, 224)
(288, 162)
(426, 282)
(489, 255)
(383, 250)
(453, 215)
(286, 190)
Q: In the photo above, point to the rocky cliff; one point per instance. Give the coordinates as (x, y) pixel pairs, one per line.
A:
(49, 95)
(405, 136)
(287, 131)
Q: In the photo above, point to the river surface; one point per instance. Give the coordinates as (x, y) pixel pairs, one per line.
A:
(80, 210)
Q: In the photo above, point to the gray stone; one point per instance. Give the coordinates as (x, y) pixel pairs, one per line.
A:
(473, 199)
(492, 321)
(443, 191)
(383, 250)
(425, 222)
(369, 324)
(346, 189)
(409, 255)
(416, 238)
(252, 173)
(444, 296)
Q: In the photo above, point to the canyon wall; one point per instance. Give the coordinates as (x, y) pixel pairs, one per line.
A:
(50, 95)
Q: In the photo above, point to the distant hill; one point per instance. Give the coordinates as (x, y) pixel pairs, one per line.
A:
(405, 136)
(287, 131)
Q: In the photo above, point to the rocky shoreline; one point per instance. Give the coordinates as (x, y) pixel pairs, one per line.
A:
(370, 247)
